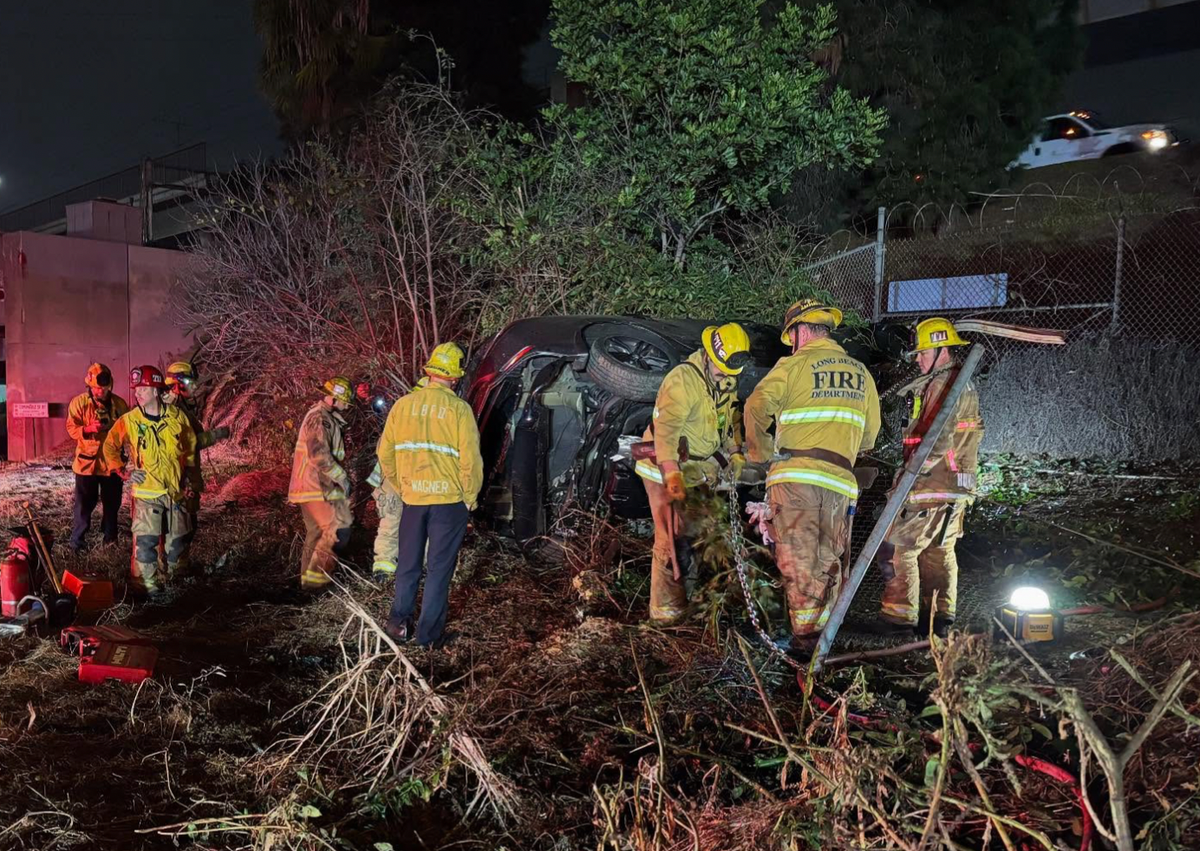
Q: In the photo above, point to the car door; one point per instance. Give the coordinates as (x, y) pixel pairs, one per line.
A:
(1063, 140)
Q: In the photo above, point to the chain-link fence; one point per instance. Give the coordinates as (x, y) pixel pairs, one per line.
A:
(1123, 288)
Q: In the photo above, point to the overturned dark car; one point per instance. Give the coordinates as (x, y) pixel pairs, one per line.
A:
(560, 399)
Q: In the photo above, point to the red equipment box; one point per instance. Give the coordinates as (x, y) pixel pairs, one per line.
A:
(94, 595)
(127, 663)
(84, 640)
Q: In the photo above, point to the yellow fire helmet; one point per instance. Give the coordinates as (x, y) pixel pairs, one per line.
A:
(937, 333)
(339, 388)
(181, 376)
(728, 347)
(446, 361)
(812, 312)
(98, 375)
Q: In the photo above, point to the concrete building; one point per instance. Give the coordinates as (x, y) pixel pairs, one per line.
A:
(94, 294)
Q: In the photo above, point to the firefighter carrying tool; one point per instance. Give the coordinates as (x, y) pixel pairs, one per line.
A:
(320, 484)
(160, 443)
(429, 453)
(826, 412)
(922, 539)
(694, 408)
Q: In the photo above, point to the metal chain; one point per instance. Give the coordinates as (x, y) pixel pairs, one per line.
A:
(738, 547)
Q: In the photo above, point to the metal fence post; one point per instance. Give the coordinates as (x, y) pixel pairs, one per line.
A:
(894, 504)
(880, 227)
(1118, 268)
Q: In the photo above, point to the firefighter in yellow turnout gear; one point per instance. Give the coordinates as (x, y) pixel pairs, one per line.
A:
(826, 411)
(181, 379)
(390, 509)
(429, 453)
(695, 402)
(160, 444)
(922, 538)
(320, 484)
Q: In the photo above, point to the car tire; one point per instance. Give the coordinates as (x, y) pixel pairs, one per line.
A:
(630, 362)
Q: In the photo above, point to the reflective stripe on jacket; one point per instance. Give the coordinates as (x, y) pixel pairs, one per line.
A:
(818, 398)
(82, 412)
(317, 472)
(691, 404)
(162, 447)
(952, 469)
(429, 450)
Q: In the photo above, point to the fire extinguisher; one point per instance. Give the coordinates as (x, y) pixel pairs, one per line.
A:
(15, 581)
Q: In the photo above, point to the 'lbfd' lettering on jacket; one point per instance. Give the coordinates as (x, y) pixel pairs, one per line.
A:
(437, 411)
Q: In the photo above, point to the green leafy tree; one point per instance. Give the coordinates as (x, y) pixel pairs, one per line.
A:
(964, 82)
(697, 111)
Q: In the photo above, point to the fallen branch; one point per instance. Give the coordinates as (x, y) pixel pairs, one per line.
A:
(370, 719)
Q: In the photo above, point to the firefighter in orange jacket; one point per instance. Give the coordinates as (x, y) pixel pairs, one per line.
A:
(160, 443)
(320, 484)
(89, 418)
(826, 411)
(695, 402)
(922, 538)
(429, 453)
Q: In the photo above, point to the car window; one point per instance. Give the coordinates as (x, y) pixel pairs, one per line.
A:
(1064, 128)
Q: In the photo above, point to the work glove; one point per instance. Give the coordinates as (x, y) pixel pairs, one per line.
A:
(737, 463)
(137, 476)
(696, 473)
(91, 429)
(673, 482)
(760, 518)
(220, 433)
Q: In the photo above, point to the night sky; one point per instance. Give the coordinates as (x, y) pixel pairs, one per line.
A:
(88, 88)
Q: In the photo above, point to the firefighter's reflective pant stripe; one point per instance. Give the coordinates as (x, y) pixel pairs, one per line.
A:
(809, 524)
(154, 520)
(327, 527)
(668, 598)
(923, 561)
(387, 538)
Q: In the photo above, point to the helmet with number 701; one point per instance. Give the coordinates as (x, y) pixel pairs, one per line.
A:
(146, 376)
(937, 333)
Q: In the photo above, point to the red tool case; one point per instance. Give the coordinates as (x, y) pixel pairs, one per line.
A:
(110, 653)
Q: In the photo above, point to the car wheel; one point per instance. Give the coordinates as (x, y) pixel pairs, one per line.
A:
(630, 363)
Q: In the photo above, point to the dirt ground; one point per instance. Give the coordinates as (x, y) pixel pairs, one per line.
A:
(611, 734)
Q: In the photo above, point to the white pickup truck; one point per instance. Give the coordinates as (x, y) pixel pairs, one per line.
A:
(1081, 135)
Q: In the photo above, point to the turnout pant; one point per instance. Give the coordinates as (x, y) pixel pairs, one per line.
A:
(441, 527)
(923, 561)
(668, 596)
(88, 491)
(387, 538)
(809, 524)
(327, 531)
(154, 520)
